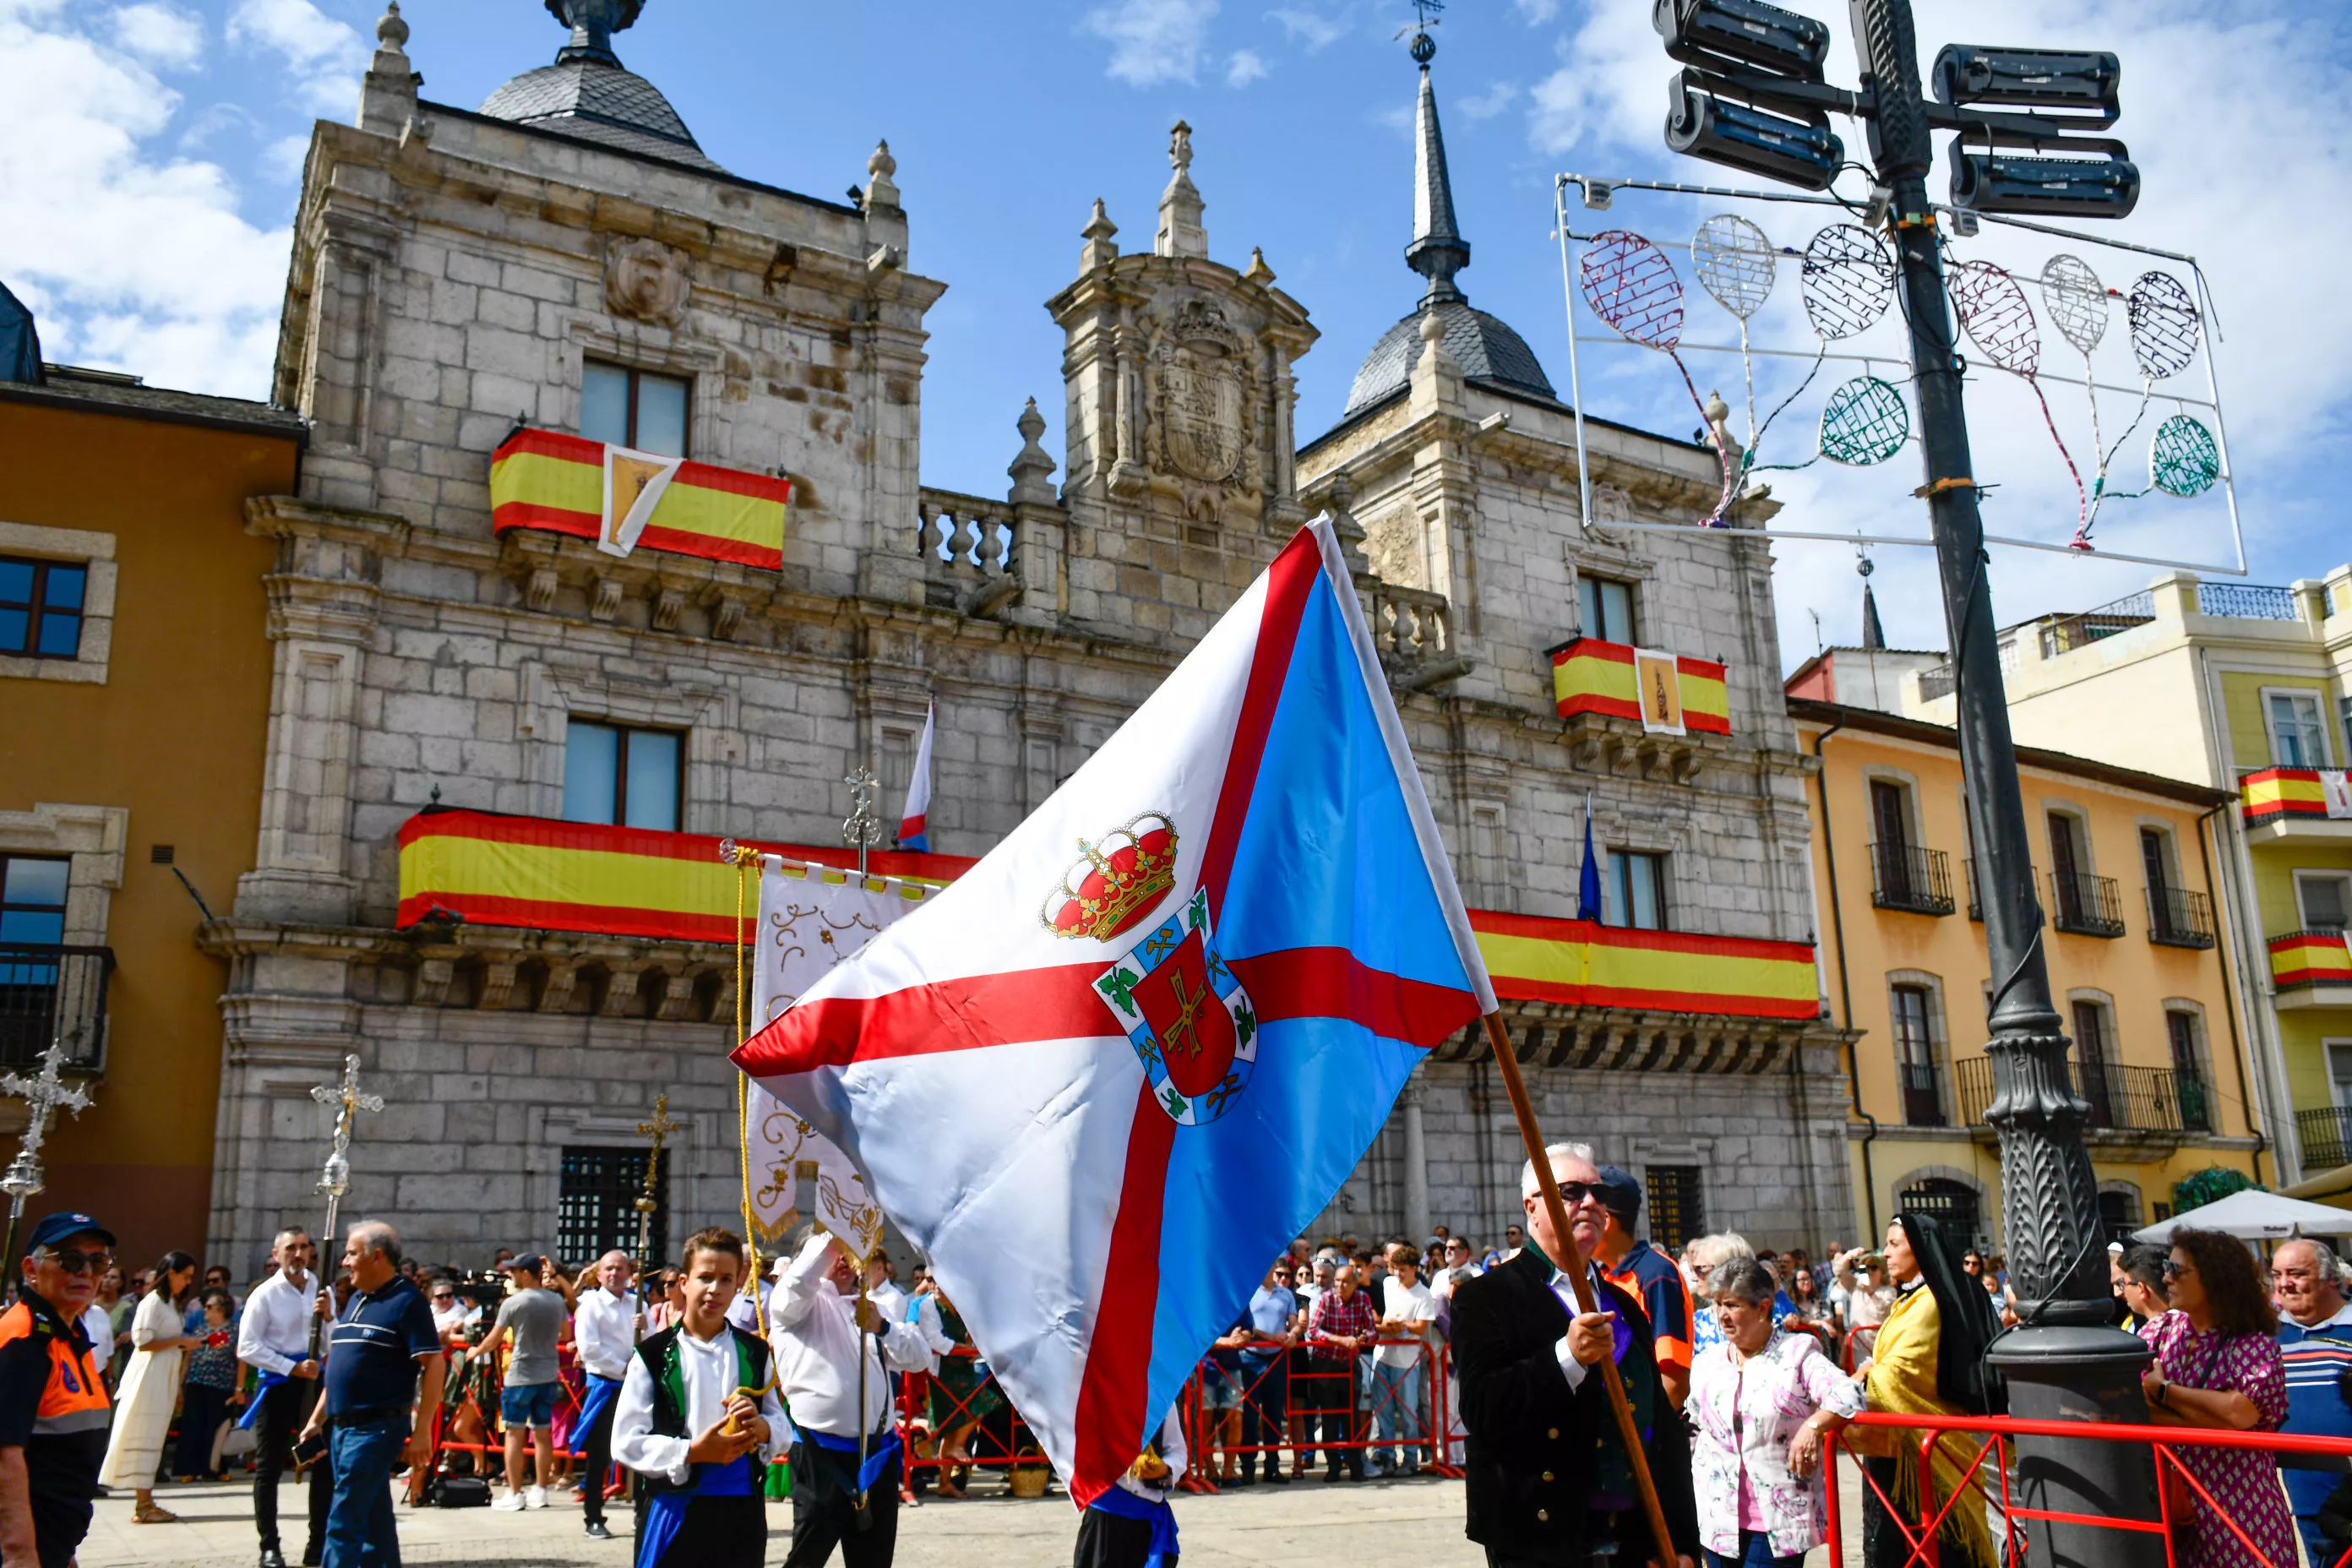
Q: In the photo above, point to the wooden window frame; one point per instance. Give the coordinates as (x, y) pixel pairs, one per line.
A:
(37, 607)
(620, 765)
(636, 374)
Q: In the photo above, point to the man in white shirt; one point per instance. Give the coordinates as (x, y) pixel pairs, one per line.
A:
(1406, 1312)
(697, 1417)
(1131, 1525)
(604, 1329)
(273, 1337)
(830, 1346)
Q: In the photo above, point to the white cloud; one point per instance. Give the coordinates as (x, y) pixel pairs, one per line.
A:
(1244, 67)
(1536, 13)
(325, 55)
(165, 38)
(1491, 102)
(1151, 41)
(283, 159)
(2285, 367)
(130, 259)
(1313, 29)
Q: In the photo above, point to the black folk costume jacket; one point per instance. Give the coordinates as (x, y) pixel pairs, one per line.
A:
(1543, 1458)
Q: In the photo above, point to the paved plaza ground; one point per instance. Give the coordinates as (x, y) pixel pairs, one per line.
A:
(1416, 1522)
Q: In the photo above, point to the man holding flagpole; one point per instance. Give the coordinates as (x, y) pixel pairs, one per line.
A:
(913, 832)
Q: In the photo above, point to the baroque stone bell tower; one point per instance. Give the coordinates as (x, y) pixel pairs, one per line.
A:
(1181, 479)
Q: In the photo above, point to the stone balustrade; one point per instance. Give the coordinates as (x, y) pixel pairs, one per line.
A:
(1413, 630)
(967, 544)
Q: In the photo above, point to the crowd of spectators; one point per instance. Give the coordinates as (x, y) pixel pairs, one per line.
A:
(1339, 1363)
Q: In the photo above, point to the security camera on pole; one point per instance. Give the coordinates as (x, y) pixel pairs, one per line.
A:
(1752, 96)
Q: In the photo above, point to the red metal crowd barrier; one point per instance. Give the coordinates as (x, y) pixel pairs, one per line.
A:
(1921, 1534)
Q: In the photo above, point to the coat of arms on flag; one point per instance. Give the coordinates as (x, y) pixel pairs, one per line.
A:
(1187, 1016)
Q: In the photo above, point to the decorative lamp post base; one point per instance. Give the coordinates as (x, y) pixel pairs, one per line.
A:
(2073, 1372)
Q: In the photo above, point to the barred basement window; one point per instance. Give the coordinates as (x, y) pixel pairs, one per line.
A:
(1954, 1202)
(597, 1208)
(1677, 1212)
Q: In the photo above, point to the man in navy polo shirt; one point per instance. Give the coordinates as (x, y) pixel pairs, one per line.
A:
(384, 1335)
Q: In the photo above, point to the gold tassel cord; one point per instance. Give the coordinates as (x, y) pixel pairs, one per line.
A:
(745, 857)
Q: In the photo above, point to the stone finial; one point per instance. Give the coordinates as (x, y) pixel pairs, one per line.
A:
(1257, 273)
(1181, 231)
(1339, 498)
(1718, 424)
(388, 90)
(1098, 249)
(1436, 378)
(1030, 468)
(880, 189)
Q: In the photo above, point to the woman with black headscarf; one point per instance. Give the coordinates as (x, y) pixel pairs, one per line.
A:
(1928, 1361)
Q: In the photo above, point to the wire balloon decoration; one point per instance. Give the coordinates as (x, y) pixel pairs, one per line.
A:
(1629, 283)
(1848, 283)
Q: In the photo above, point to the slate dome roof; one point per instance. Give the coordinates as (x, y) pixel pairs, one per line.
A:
(1484, 346)
(588, 94)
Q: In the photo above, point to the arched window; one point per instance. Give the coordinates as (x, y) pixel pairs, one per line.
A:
(1953, 1203)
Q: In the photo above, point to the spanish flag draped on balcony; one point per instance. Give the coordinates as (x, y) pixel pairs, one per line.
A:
(567, 484)
(1663, 692)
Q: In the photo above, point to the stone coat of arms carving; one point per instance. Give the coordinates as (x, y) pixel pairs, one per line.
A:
(646, 280)
(1203, 399)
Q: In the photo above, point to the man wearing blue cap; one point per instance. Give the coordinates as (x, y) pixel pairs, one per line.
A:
(53, 1409)
(1650, 1277)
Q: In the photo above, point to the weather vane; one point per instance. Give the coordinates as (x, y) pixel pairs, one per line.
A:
(1424, 48)
(43, 1094)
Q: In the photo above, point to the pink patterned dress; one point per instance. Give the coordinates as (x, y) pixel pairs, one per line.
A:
(2243, 1481)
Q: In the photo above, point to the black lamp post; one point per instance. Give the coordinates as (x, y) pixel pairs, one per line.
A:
(1752, 96)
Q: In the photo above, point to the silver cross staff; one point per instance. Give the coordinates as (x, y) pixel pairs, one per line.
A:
(862, 829)
(335, 1180)
(43, 1094)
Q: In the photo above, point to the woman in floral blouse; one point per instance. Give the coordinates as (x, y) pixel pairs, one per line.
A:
(1759, 1402)
(2217, 1364)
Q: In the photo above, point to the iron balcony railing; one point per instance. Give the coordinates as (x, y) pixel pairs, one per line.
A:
(51, 992)
(2325, 1134)
(2081, 630)
(1905, 877)
(1940, 680)
(2245, 601)
(2120, 1098)
(2086, 905)
(1975, 896)
(1923, 1094)
(2179, 918)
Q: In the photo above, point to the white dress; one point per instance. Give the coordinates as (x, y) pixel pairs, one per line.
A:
(144, 1398)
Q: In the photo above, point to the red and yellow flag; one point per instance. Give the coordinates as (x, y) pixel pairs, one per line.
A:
(545, 479)
(2311, 958)
(1588, 676)
(2276, 793)
(1583, 963)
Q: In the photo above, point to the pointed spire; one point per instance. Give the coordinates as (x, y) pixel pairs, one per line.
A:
(1438, 250)
(1873, 636)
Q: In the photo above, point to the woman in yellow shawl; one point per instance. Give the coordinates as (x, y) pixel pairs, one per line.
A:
(1902, 1379)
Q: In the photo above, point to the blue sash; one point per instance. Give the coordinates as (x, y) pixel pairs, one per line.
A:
(1127, 1505)
(269, 1380)
(665, 1513)
(601, 1393)
(877, 1456)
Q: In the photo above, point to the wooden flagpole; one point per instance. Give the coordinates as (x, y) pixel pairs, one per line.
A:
(1573, 1266)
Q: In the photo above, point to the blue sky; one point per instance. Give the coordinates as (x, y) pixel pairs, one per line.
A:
(157, 146)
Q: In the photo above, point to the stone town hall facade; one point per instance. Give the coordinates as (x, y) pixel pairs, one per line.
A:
(567, 254)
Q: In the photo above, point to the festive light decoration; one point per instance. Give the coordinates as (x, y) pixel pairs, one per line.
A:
(2182, 459)
(1735, 263)
(1865, 421)
(2164, 325)
(1630, 284)
(1847, 280)
(2077, 301)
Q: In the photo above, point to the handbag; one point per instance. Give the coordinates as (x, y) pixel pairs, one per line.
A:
(2179, 1500)
(461, 1492)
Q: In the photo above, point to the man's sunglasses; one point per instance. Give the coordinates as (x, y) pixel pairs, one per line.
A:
(1574, 1192)
(74, 1261)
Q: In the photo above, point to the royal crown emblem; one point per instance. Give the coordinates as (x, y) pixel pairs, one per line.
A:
(1184, 1011)
(1116, 882)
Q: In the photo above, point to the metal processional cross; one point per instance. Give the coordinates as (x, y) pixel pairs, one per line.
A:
(43, 1094)
(862, 830)
(335, 1179)
(659, 1131)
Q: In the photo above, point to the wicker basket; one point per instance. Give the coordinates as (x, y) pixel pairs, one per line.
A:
(1030, 1480)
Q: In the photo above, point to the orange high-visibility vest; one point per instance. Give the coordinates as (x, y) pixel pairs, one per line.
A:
(73, 1399)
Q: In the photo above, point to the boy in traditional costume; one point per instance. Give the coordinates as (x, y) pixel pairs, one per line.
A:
(699, 1418)
(1131, 1525)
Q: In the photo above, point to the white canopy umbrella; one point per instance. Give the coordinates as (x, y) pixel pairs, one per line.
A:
(2254, 1216)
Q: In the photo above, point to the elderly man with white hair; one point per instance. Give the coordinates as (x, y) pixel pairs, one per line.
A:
(1550, 1484)
(2314, 1336)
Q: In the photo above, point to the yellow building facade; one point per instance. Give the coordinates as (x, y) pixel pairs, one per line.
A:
(2247, 689)
(2139, 970)
(134, 698)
